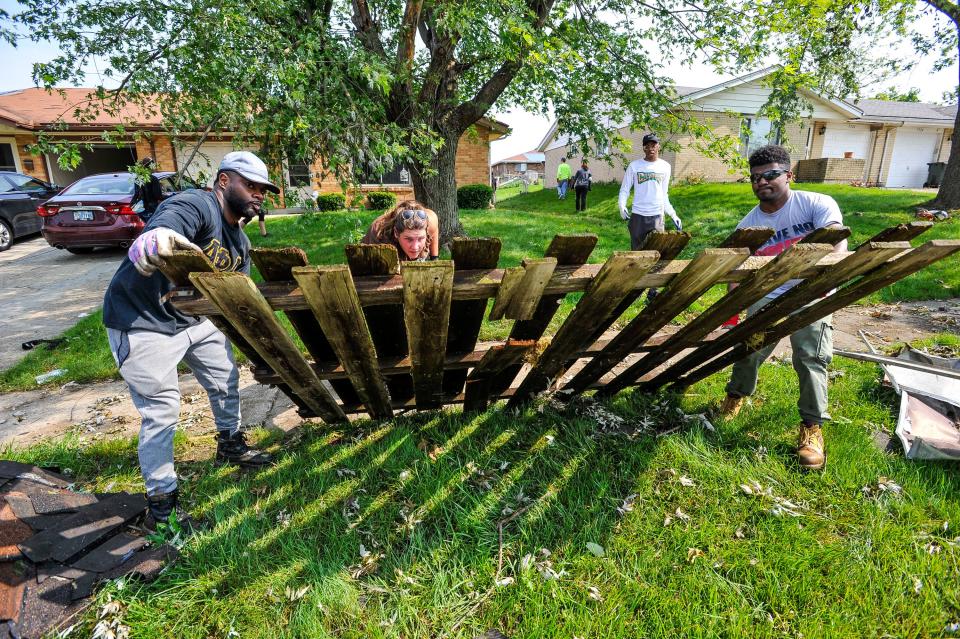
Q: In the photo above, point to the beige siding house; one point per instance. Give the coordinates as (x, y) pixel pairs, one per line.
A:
(872, 142)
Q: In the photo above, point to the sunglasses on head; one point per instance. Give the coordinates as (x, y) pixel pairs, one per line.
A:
(769, 176)
(406, 215)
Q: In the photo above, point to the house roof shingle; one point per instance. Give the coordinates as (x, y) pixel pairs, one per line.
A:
(906, 110)
(36, 108)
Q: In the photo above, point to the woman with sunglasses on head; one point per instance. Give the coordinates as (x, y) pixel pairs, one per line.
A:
(410, 227)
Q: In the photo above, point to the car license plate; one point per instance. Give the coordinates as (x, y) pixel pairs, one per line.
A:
(83, 216)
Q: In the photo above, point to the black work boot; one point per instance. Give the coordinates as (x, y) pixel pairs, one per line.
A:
(233, 449)
(159, 507)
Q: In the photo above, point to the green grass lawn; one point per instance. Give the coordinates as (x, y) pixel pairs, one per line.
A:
(549, 523)
(432, 498)
(526, 223)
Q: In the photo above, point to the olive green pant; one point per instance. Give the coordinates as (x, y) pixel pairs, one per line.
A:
(812, 352)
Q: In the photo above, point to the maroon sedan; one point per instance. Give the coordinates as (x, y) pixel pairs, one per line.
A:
(97, 210)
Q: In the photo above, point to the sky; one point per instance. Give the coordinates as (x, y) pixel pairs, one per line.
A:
(527, 129)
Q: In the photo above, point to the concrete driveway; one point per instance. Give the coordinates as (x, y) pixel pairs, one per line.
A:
(44, 290)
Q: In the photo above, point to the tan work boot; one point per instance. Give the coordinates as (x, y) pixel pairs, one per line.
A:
(731, 406)
(810, 447)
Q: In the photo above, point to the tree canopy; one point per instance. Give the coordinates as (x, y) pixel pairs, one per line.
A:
(370, 83)
(893, 95)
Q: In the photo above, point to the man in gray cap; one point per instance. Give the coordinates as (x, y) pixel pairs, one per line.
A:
(149, 337)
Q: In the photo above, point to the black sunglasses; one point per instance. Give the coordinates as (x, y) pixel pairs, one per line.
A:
(769, 176)
(406, 215)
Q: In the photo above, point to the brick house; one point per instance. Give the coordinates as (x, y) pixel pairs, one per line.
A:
(871, 141)
(25, 113)
(518, 164)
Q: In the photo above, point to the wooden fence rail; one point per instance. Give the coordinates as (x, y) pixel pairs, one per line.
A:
(379, 335)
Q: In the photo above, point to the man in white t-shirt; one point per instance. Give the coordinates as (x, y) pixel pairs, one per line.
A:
(649, 179)
(792, 215)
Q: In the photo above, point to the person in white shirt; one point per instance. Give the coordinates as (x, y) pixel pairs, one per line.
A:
(649, 179)
(792, 215)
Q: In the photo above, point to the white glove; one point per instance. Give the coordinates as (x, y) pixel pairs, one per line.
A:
(148, 250)
(676, 221)
(624, 215)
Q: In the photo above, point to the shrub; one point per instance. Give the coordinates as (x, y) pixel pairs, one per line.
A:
(474, 196)
(331, 202)
(380, 200)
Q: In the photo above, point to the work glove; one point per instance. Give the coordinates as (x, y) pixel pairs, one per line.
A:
(151, 247)
(676, 221)
(624, 215)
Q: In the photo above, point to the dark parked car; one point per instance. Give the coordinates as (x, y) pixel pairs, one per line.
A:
(19, 197)
(97, 211)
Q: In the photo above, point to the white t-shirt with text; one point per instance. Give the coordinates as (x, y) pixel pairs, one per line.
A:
(650, 182)
(803, 213)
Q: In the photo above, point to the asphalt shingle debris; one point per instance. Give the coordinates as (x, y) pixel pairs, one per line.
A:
(56, 545)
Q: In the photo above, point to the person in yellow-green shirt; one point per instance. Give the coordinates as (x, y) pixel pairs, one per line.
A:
(563, 178)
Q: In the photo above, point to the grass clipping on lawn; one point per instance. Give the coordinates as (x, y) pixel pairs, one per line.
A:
(558, 522)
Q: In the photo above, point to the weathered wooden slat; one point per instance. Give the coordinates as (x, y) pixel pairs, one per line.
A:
(901, 232)
(393, 365)
(785, 267)
(569, 251)
(864, 260)
(496, 359)
(832, 235)
(522, 301)
(427, 294)
(751, 237)
(466, 316)
(386, 290)
(511, 279)
(668, 244)
(275, 265)
(372, 259)
(384, 322)
(894, 270)
(702, 273)
(330, 292)
(617, 278)
(178, 268)
(247, 311)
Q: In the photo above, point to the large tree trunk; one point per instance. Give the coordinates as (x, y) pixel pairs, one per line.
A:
(435, 185)
(948, 197)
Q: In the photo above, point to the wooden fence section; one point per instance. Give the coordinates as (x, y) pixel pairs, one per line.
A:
(379, 335)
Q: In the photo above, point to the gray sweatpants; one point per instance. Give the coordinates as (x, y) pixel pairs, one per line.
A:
(812, 352)
(148, 363)
(640, 226)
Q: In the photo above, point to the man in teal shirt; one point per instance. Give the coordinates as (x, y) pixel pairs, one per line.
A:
(563, 178)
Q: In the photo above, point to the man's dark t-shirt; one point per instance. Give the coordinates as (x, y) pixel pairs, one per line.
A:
(133, 301)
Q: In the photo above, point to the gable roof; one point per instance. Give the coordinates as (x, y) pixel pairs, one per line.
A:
(532, 157)
(864, 110)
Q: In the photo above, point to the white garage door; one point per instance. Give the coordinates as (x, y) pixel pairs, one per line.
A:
(913, 148)
(841, 138)
(205, 162)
